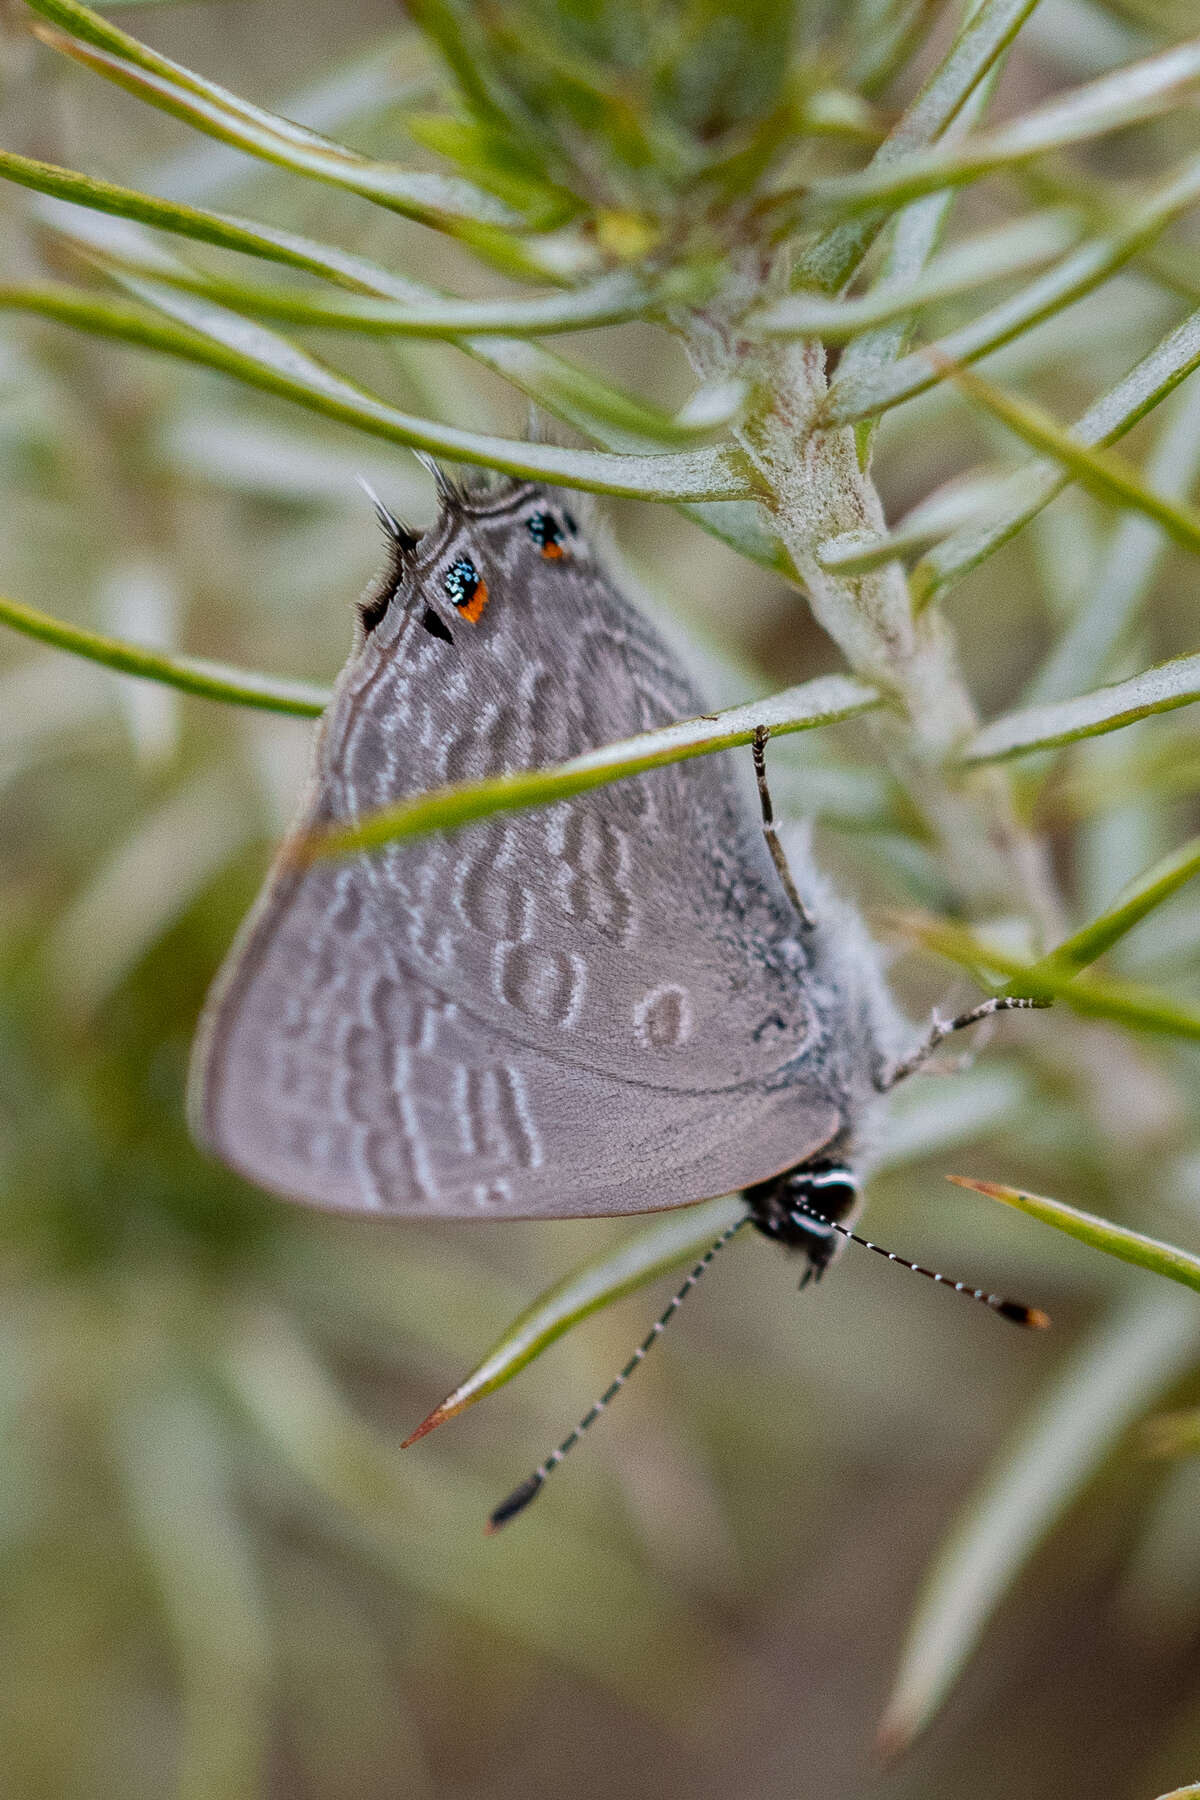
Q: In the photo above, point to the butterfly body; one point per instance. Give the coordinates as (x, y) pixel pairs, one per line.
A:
(607, 1005)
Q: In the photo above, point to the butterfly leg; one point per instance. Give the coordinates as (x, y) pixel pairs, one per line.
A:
(770, 831)
(888, 1076)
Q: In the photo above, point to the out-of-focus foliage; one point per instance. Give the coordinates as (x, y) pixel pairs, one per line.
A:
(220, 1577)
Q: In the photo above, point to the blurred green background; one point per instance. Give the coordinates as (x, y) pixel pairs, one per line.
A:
(218, 1577)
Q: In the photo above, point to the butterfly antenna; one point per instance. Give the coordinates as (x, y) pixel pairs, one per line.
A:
(529, 1489)
(1032, 1316)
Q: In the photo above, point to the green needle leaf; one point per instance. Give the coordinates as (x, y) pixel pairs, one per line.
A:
(1126, 1002)
(248, 236)
(211, 680)
(825, 701)
(612, 300)
(672, 1239)
(991, 256)
(1101, 1234)
(446, 202)
(615, 419)
(829, 263)
(1132, 905)
(1132, 93)
(1113, 1376)
(1171, 684)
(863, 391)
(1149, 383)
(1104, 474)
(262, 359)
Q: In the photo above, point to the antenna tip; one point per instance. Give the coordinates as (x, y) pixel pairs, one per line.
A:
(1031, 1316)
(517, 1501)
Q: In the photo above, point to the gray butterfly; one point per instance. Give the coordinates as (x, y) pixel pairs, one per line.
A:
(610, 1005)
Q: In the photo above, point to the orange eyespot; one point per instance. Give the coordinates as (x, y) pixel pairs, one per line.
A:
(475, 605)
(546, 533)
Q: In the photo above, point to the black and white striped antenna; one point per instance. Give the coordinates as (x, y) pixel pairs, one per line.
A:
(520, 1497)
(1013, 1310)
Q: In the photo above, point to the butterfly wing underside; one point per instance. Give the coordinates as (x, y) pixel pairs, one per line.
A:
(593, 1007)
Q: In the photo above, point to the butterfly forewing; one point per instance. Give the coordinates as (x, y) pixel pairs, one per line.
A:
(587, 1008)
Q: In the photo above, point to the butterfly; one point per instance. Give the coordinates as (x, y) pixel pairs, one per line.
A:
(613, 1004)
(621, 1002)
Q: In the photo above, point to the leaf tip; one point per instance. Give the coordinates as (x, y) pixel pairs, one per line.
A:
(435, 1418)
(993, 1189)
(445, 1409)
(894, 1735)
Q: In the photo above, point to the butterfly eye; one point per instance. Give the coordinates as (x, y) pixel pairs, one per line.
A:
(466, 587)
(546, 533)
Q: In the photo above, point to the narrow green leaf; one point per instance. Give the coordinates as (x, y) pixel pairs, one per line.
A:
(593, 406)
(1101, 1234)
(258, 357)
(981, 1100)
(1132, 93)
(702, 474)
(828, 262)
(1161, 689)
(446, 202)
(617, 419)
(1183, 1793)
(991, 256)
(1130, 562)
(672, 1239)
(1135, 901)
(912, 238)
(1101, 472)
(1110, 1379)
(1125, 1002)
(825, 701)
(612, 300)
(865, 392)
(248, 236)
(1150, 382)
(212, 681)
(91, 28)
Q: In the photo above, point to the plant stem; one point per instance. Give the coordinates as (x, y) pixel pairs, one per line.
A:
(815, 488)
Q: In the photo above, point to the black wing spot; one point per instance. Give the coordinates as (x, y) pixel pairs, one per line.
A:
(435, 627)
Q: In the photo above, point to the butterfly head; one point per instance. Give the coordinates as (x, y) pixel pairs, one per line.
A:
(801, 1208)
